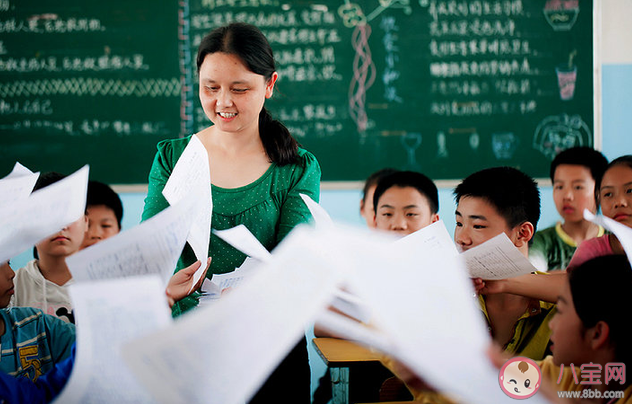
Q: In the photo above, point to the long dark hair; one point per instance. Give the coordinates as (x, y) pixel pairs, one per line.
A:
(249, 44)
(602, 291)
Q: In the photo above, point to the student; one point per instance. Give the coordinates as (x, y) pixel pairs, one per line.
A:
(104, 211)
(258, 171)
(31, 342)
(43, 282)
(367, 211)
(590, 328)
(404, 202)
(574, 173)
(615, 199)
(46, 388)
(505, 200)
(614, 193)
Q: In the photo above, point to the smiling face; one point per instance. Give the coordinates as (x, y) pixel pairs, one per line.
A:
(520, 378)
(477, 221)
(573, 191)
(102, 224)
(6, 284)
(66, 242)
(615, 194)
(403, 210)
(231, 95)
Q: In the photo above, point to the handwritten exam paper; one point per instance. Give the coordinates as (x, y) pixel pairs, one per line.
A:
(212, 289)
(111, 313)
(17, 186)
(191, 178)
(43, 213)
(497, 258)
(181, 365)
(623, 232)
(152, 247)
(428, 239)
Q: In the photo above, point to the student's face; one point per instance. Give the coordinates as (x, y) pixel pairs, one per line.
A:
(615, 194)
(102, 224)
(6, 284)
(567, 332)
(67, 242)
(403, 210)
(231, 95)
(366, 207)
(478, 221)
(573, 191)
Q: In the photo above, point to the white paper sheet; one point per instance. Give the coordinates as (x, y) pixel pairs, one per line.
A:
(213, 356)
(16, 188)
(18, 171)
(191, 178)
(242, 239)
(43, 213)
(623, 232)
(427, 319)
(152, 247)
(110, 313)
(319, 214)
(212, 289)
(351, 305)
(497, 258)
(430, 238)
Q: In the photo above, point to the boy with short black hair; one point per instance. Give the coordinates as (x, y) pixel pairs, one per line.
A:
(104, 211)
(404, 202)
(574, 173)
(505, 200)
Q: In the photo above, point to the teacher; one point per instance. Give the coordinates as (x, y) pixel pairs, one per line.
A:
(258, 172)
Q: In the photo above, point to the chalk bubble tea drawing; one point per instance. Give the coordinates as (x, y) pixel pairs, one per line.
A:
(520, 378)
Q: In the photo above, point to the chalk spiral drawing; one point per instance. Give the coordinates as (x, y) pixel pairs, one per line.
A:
(364, 71)
(92, 87)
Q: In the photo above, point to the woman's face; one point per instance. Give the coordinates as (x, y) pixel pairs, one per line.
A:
(615, 194)
(231, 95)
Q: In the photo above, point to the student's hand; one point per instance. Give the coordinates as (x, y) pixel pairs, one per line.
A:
(180, 283)
(488, 287)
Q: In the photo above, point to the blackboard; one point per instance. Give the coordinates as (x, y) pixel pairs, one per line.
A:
(445, 87)
(88, 82)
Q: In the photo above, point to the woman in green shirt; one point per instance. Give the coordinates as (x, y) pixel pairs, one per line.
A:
(258, 171)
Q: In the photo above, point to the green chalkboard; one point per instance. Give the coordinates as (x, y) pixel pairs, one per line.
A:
(88, 82)
(441, 86)
(445, 87)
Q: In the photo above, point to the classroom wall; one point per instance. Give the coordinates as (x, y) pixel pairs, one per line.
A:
(615, 46)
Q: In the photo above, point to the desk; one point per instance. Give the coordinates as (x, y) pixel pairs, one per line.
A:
(339, 355)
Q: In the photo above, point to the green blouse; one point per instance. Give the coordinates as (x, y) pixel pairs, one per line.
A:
(269, 207)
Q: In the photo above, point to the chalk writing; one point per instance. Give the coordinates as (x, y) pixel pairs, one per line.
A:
(475, 27)
(92, 86)
(465, 8)
(391, 56)
(92, 127)
(212, 4)
(51, 25)
(26, 107)
(78, 64)
(476, 47)
(482, 68)
(482, 108)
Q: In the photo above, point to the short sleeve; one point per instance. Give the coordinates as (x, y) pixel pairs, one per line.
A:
(61, 337)
(304, 180)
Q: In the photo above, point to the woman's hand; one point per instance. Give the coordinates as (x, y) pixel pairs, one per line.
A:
(180, 283)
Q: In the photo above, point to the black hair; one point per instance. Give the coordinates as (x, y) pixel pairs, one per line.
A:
(581, 156)
(625, 160)
(249, 44)
(45, 179)
(100, 194)
(601, 289)
(513, 193)
(412, 179)
(373, 179)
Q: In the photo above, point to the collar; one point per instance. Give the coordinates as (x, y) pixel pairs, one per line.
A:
(568, 239)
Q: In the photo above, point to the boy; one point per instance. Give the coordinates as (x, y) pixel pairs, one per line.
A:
(32, 342)
(104, 211)
(405, 202)
(43, 282)
(491, 202)
(366, 203)
(573, 172)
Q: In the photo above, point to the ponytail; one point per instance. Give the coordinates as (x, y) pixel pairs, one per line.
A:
(277, 141)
